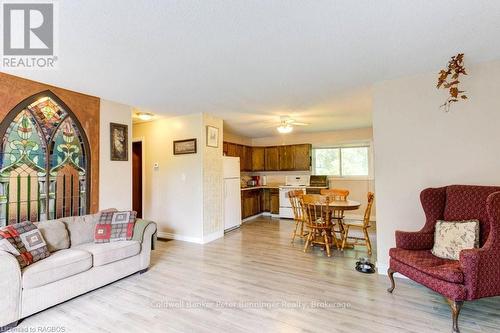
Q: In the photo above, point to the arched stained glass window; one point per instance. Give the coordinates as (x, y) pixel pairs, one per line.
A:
(43, 162)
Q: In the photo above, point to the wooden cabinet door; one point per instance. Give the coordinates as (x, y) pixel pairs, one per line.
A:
(275, 201)
(265, 200)
(272, 158)
(231, 149)
(286, 158)
(247, 159)
(302, 157)
(224, 148)
(258, 159)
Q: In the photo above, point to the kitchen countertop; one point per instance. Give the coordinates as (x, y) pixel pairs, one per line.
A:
(259, 187)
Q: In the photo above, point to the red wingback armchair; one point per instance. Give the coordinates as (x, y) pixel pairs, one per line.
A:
(477, 273)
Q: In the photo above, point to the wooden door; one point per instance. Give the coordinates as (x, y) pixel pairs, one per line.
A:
(258, 159)
(137, 178)
(272, 158)
(302, 157)
(286, 158)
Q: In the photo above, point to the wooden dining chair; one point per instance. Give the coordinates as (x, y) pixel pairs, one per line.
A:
(298, 214)
(319, 221)
(363, 225)
(337, 194)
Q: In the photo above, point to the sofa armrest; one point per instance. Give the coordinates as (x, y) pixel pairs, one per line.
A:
(414, 240)
(11, 286)
(143, 230)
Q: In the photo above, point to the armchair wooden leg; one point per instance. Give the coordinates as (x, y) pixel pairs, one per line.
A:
(455, 306)
(390, 273)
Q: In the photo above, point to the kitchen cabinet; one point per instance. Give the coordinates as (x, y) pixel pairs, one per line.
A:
(258, 159)
(272, 158)
(265, 202)
(275, 201)
(286, 158)
(302, 157)
(280, 158)
(250, 203)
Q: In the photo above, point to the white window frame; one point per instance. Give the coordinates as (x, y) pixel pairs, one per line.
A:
(341, 176)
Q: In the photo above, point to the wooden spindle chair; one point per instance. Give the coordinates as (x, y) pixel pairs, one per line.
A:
(362, 225)
(298, 214)
(337, 194)
(319, 221)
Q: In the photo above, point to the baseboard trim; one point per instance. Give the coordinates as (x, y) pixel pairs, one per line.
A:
(203, 240)
(382, 270)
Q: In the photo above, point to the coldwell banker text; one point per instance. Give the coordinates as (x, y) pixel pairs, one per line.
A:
(29, 31)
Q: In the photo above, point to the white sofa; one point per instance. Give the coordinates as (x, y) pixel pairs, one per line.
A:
(76, 265)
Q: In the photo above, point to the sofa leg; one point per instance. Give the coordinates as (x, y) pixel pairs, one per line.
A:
(390, 273)
(8, 327)
(142, 271)
(455, 306)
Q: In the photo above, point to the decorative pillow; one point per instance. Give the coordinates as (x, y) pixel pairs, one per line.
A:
(451, 237)
(115, 226)
(25, 242)
(55, 234)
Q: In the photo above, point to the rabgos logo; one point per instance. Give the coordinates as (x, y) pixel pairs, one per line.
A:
(29, 31)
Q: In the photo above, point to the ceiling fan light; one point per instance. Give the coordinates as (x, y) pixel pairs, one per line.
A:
(144, 116)
(284, 129)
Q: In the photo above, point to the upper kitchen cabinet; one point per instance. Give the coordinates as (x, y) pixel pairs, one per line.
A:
(258, 159)
(302, 157)
(272, 159)
(246, 158)
(286, 158)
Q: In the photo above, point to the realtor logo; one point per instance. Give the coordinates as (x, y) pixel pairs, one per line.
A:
(29, 31)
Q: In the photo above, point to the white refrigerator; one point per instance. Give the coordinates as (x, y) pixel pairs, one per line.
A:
(232, 193)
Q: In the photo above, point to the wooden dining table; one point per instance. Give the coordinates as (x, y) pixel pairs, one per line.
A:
(344, 205)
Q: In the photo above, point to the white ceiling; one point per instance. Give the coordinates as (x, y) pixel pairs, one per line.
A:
(251, 61)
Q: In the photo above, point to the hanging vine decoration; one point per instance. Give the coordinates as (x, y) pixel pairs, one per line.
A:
(449, 78)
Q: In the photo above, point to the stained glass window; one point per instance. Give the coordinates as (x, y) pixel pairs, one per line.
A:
(43, 164)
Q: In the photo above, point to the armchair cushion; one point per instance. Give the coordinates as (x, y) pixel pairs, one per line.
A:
(452, 237)
(424, 261)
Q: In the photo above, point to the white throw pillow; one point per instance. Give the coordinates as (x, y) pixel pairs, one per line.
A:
(451, 237)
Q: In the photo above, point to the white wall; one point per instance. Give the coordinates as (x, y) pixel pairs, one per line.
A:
(417, 145)
(115, 177)
(184, 194)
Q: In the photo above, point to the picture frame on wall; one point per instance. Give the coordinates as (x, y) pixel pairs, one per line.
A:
(182, 147)
(212, 136)
(119, 142)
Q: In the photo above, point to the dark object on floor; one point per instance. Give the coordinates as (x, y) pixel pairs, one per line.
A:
(365, 266)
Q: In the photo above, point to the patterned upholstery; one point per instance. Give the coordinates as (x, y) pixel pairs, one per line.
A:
(426, 262)
(477, 273)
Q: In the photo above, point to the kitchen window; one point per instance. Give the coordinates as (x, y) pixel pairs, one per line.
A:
(342, 161)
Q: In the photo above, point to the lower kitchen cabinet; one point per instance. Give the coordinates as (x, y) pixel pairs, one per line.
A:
(257, 201)
(275, 201)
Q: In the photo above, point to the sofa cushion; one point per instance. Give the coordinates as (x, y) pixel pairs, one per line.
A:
(115, 226)
(25, 242)
(81, 228)
(55, 234)
(58, 266)
(452, 237)
(426, 262)
(106, 253)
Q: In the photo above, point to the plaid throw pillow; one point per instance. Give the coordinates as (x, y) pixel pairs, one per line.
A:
(115, 226)
(25, 242)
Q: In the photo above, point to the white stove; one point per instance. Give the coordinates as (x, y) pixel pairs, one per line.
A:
(292, 183)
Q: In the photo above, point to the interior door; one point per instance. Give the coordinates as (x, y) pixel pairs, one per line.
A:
(137, 178)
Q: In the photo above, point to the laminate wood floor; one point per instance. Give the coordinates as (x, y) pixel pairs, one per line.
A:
(254, 280)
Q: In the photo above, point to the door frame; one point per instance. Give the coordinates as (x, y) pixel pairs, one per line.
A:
(142, 140)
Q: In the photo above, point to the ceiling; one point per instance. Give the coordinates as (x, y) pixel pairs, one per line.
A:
(251, 61)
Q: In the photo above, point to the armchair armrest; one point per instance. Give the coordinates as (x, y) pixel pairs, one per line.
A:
(10, 285)
(481, 272)
(414, 240)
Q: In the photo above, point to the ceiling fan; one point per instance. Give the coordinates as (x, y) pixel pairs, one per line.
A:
(286, 124)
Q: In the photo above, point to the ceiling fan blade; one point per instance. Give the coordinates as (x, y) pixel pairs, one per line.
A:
(299, 124)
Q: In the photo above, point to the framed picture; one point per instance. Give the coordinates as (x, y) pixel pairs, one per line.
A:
(212, 137)
(185, 147)
(119, 142)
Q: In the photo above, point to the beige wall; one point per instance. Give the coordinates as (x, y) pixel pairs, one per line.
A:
(115, 181)
(213, 226)
(234, 138)
(184, 194)
(417, 145)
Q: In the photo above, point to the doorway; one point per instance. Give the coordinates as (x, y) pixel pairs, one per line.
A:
(137, 178)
